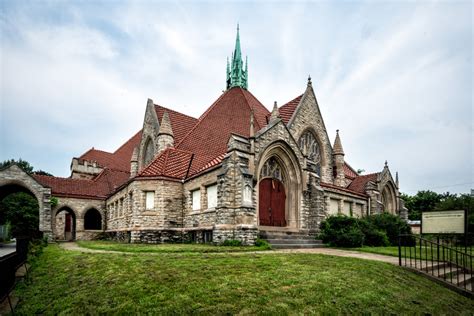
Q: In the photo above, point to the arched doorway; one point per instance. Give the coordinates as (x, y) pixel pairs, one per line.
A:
(272, 199)
(389, 203)
(279, 188)
(92, 220)
(65, 224)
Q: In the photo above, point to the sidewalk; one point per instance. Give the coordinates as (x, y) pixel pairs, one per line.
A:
(323, 251)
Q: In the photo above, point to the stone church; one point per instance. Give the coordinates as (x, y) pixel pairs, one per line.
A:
(236, 171)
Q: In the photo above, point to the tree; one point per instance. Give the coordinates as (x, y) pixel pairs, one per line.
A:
(423, 201)
(21, 211)
(23, 164)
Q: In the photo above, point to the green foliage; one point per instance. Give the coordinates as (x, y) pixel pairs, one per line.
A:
(53, 201)
(342, 231)
(373, 236)
(23, 164)
(392, 225)
(232, 243)
(21, 211)
(375, 230)
(423, 201)
(262, 244)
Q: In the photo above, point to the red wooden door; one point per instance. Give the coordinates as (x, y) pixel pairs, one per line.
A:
(67, 227)
(271, 200)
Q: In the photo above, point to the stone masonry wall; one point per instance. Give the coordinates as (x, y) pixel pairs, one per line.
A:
(308, 116)
(14, 175)
(79, 208)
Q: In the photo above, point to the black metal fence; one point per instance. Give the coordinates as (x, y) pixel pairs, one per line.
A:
(9, 264)
(449, 262)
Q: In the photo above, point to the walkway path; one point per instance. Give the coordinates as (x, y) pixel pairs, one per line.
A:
(6, 249)
(323, 251)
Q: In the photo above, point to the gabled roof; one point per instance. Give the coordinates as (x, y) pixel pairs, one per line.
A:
(119, 160)
(287, 110)
(171, 163)
(181, 123)
(349, 172)
(98, 188)
(230, 113)
(359, 183)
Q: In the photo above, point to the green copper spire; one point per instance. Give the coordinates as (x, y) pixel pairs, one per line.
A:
(237, 75)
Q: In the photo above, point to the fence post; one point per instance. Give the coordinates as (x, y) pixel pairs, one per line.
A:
(399, 250)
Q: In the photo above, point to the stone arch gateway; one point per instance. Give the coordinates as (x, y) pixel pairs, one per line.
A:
(15, 176)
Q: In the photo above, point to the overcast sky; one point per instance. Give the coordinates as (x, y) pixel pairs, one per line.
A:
(394, 77)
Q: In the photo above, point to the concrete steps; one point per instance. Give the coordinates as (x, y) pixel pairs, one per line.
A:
(290, 240)
(450, 273)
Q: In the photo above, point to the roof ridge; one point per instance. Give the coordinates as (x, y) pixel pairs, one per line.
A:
(123, 145)
(300, 96)
(61, 178)
(168, 109)
(166, 161)
(201, 118)
(250, 107)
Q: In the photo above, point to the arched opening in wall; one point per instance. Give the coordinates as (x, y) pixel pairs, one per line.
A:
(149, 152)
(19, 212)
(388, 199)
(311, 149)
(279, 188)
(64, 224)
(92, 220)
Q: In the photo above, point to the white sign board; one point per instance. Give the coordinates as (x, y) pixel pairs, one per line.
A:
(443, 222)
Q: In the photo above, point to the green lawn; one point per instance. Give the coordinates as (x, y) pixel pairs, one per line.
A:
(71, 283)
(164, 248)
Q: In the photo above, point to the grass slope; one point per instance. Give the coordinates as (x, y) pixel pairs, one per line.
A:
(70, 282)
(165, 248)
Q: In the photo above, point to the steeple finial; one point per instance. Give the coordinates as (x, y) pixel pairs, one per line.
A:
(309, 80)
(165, 126)
(275, 115)
(337, 148)
(396, 178)
(386, 164)
(237, 75)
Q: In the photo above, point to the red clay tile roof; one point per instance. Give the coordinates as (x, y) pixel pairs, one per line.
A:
(359, 183)
(287, 110)
(171, 163)
(332, 186)
(181, 124)
(349, 172)
(99, 188)
(229, 114)
(119, 160)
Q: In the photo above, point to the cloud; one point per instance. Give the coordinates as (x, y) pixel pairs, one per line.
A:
(395, 78)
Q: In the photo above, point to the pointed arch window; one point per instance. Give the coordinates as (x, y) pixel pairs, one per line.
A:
(310, 148)
(271, 169)
(149, 152)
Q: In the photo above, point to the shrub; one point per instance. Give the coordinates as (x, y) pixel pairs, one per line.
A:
(392, 225)
(342, 231)
(352, 238)
(262, 244)
(232, 242)
(376, 238)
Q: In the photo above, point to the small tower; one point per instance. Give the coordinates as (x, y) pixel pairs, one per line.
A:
(134, 163)
(236, 74)
(338, 154)
(165, 134)
(275, 115)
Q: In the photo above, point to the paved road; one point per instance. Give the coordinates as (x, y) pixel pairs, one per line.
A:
(6, 249)
(323, 251)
